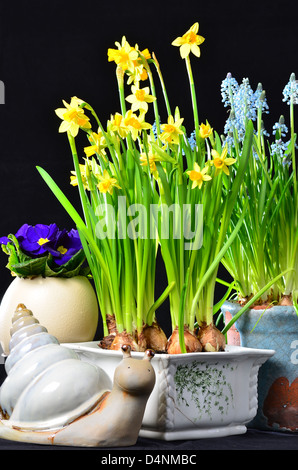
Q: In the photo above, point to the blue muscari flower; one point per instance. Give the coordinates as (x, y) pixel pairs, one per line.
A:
(192, 140)
(260, 99)
(244, 104)
(279, 148)
(154, 129)
(281, 127)
(290, 91)
(229, 88)
(242, 110)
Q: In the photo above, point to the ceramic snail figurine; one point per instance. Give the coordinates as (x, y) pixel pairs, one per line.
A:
(50, 396)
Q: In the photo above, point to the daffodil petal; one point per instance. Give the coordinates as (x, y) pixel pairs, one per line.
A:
(230, 161)
(60, 112)
(224, 153)
(64, 126)
(195, 50)
(195, 28)
(204, 170)
(73, 129)
(184, 50)
(177, 42)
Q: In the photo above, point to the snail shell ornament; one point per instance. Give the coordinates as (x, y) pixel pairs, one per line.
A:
(50, 396)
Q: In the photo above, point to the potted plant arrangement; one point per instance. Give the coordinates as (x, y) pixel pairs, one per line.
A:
(146, 187)
(50, 274)
(265, 246)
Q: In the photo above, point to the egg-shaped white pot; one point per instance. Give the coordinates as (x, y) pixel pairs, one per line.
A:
(67, 307)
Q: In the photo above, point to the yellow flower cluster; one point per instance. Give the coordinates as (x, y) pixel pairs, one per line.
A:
(130, 60)
(128, 124)
(134, 64)
(220, 162)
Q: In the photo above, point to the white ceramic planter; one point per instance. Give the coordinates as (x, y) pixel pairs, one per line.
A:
(67, 307)
(196, 395)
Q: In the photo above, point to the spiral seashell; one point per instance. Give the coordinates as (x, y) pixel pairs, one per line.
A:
(50, 396)
(45, 379)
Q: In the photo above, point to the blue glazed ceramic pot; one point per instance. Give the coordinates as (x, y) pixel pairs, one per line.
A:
(272, 328)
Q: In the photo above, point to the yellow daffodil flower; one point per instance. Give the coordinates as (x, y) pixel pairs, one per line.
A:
(91, 150)
(140, 98)
(198, 176)
(116, 124)
(107, 183)
(189, 42)
(205, 130)
(77, 101)
(135, 124)
(221, 162)
(98, 144)
(151, 158)
(74, 179)
(145, 53)
(73, 117)
(124, 56)
(171, 130)
(139, 74)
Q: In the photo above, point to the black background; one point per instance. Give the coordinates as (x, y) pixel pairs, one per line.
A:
(54, 50)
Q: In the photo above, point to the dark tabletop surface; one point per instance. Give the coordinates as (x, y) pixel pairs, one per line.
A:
(147, 449)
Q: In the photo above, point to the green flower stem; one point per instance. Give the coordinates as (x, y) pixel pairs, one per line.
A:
(103, 301)
(93, 251)
(193, 96)
(150, 314)
(153, 91)
(293, 147)
(215, 263)
(79, 178)
(89, 235)
(168, 107)
(181, 240)
(120, 80)
(181, 318)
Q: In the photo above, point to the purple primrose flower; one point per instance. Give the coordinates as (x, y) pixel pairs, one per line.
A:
(35, 240)
(4, 240)
(67, 244)
(41, 239)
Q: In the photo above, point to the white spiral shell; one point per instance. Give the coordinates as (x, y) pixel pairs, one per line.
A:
(47, 385)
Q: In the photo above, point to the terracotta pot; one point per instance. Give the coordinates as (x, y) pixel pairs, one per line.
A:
(67, 307)
(272, 328)
(196, 395)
